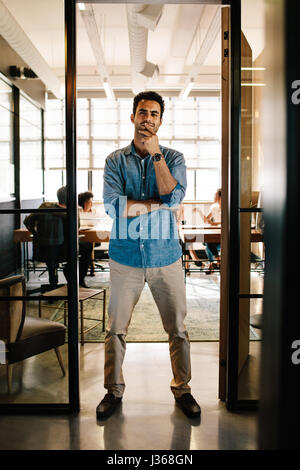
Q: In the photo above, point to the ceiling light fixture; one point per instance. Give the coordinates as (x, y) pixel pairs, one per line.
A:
(253, 84)
(108, 90)
(186, 90)
(81, 6)
(253, 68)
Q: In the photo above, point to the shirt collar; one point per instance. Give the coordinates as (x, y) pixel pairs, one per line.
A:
(130, 149)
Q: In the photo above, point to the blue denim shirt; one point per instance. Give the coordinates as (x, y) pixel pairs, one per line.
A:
(149, 240)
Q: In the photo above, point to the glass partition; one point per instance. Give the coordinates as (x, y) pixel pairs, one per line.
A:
(6, 157)
(34, 316)
(30, 150)
(252, 253)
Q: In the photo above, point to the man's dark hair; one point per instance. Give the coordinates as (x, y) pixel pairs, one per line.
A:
(62, 195)
(83, 197)
(151, 96)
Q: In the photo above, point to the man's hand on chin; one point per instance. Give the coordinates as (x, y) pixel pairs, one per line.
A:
(149, 140)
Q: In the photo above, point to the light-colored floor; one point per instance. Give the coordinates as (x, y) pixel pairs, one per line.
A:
(147, 418)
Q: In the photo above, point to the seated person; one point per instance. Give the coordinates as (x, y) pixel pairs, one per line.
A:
(49, 236)
(85, 203)
(85, 253)
(214, 218)
(212, 249)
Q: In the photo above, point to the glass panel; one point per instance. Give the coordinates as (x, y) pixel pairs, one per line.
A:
(83, 153)
(207, 182)
(6, 166)
(248, 388)
(40, 377)
(82, 181)
(30, 150)
(101, 149)
(97, 186)
(251, 178)
(104, 130)
(53, 180)
(37, 252)
(165, 131)
(190, 190)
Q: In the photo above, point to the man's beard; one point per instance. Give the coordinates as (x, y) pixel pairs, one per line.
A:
(141, 127)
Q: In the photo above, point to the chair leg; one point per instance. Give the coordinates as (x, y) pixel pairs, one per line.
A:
(104, 310)
(81, 323)
(60, 360)
(65, 312)
(9, 377)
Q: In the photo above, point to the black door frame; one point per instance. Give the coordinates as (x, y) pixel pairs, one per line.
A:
(71, 166)
(73, 404)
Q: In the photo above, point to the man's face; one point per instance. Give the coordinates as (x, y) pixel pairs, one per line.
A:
(147, 111)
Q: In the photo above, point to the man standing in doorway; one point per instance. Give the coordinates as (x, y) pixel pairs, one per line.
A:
(144, 183)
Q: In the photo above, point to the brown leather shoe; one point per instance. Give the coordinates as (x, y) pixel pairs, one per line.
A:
(188, 405)
(107, 405)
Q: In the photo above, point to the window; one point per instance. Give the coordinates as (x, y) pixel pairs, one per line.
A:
(31, 174)
(191, 126)
(6, 164)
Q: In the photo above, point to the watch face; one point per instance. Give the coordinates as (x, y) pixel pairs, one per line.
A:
(157, 157)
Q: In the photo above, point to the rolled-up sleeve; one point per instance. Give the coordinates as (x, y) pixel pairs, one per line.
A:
(113, 189)
(178, 171)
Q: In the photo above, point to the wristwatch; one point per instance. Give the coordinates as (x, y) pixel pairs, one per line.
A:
(157, 157)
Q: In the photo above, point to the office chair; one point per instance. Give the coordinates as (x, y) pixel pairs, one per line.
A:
(25, 336)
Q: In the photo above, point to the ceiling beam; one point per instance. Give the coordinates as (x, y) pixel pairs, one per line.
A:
(140, 18)
(88, 17)
(205, 47)
(22, 45)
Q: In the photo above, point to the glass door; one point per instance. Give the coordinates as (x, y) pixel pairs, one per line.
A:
(246, 263)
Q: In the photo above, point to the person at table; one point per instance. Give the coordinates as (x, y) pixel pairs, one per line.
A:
(49, 235)
(49, 240)
(144, 183)
(214, 218)
(212, 249)
(85, 203)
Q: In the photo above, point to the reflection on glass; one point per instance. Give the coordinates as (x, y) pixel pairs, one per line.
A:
(252, 253)
(248, 384)
(30, 150)
(34, 362)
(6, 167)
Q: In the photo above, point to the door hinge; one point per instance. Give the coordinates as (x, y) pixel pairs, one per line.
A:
(226, 52)
(226, 35)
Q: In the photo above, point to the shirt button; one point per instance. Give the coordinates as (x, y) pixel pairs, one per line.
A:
(143, 194)
(141, 229)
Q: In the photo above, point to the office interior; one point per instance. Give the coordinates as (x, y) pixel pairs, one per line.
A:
(223, 77)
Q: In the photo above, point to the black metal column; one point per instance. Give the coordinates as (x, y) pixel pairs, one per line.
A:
(279, 415)
(234, 204)
(72, 216)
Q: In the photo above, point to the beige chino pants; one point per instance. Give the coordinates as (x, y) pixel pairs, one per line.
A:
(168, 290)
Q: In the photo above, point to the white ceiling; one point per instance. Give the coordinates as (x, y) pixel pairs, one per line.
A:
(173, 46)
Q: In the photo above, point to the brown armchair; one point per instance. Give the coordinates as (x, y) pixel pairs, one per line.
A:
(25, 336)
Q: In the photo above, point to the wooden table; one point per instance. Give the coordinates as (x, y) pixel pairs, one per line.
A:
(84, 294)
(92, 235)
(192, 234)
(210, 235)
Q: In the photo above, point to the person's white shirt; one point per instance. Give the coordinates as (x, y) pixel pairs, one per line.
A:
(88, 218)
(215, 211)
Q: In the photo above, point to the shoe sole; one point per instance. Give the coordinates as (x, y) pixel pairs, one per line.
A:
(189, 415)
(101, 415)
